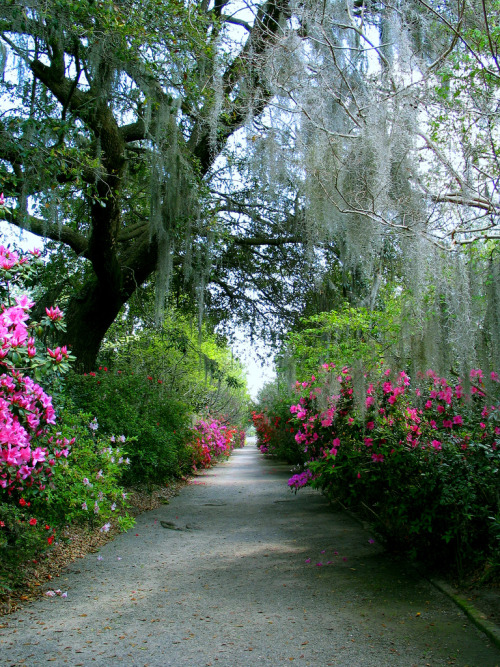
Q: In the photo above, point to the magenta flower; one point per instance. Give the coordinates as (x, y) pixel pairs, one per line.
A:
(54, 314)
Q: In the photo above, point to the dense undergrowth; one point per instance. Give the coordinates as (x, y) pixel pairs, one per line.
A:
(418, 458)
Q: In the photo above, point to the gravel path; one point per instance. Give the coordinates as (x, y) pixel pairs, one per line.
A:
(242, 586)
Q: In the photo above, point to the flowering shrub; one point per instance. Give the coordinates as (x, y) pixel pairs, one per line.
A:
(22, 536)
(275, 433)
(87, 487)
(422, 457)
(30, 455)
(27, 456)
(211, 440)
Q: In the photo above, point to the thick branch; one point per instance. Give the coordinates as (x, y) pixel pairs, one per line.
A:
(41, 228)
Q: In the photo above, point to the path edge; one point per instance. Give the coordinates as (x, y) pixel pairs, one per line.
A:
(490, 629)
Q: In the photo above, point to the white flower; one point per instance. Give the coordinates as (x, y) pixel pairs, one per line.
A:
(84, 506)
(105, 528)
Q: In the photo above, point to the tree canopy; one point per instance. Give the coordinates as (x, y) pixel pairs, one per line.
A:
(244, 153)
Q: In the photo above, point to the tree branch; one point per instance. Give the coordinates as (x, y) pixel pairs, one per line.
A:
(41, 228)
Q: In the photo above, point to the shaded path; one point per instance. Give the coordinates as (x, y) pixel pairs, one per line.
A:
(235, 589)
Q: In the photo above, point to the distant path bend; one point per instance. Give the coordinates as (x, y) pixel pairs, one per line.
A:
(256, 576)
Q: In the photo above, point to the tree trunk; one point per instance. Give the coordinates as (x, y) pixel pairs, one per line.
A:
(88, 317)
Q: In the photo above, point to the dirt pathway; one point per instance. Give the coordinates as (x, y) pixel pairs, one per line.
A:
(243, 585)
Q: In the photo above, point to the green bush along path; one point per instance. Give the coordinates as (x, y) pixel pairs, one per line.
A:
(236, 570)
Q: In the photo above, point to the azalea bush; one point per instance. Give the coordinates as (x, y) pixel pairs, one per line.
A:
(87, 487)
(29, 455)
(211, 440)
(22, 536)
(420, 458)
(274, 426)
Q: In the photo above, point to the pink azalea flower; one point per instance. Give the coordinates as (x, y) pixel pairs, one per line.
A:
(39, 455)
(54, 314)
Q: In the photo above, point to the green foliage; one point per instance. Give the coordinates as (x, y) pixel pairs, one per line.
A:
(19, 541)
(86, 487)
(190, 362)
(139, 407)
(345, 334)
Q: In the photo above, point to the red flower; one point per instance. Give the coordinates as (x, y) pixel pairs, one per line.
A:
(50, 539)
(32, 522)
(2, 524)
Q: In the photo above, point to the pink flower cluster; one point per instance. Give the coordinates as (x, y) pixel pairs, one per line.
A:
(298, 481)
(10, 259)
(25, 409)
(212, 440)
(429, 417)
